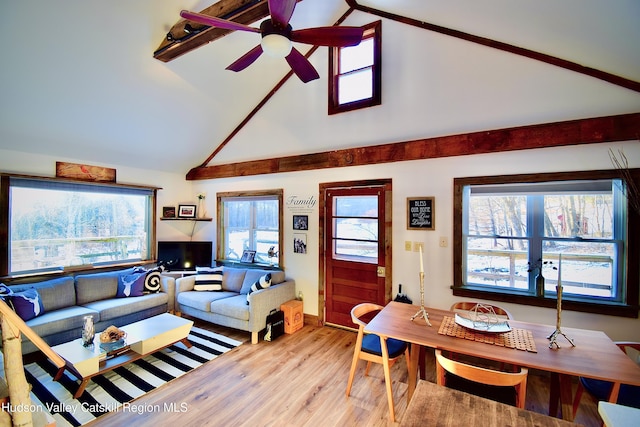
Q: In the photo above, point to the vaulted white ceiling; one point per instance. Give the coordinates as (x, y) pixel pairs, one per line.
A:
(79, 80)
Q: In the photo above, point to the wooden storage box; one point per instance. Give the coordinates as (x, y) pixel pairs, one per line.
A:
(293, 316)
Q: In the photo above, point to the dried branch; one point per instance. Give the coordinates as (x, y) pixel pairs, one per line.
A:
(632, 192)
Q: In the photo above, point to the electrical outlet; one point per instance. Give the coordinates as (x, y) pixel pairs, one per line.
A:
(444, 242)
(407, 246)
(417, 246)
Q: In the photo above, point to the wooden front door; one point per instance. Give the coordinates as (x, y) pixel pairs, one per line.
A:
(357, 249)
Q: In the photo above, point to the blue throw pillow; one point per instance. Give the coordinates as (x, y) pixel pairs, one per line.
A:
(131, 285)
(27, 304)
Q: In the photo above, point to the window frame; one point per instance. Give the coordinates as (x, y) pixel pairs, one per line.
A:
(374, 31)
(248, 195)
(630, 286)
(5, 190)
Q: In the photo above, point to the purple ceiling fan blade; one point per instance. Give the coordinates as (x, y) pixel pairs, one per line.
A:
(281, 11)
(216, 22)
(329, 36)
(301, 66)
(245, 60)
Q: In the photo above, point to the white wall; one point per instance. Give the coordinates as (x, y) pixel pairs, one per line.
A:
(432, 177)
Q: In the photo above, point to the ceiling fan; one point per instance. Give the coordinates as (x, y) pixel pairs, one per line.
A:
(277, 36)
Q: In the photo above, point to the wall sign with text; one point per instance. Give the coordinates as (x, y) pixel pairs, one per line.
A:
(421, 213)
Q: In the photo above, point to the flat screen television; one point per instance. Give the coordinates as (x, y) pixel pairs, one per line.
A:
(181, 256)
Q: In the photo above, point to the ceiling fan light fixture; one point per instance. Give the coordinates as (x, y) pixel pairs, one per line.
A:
(276, 45)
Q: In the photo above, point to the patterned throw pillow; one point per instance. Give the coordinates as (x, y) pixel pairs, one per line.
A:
(208, 279)
(27, 304)
(153, 279)
(131, 285)
(262, 283)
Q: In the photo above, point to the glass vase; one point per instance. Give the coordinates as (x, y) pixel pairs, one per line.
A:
(88, 331)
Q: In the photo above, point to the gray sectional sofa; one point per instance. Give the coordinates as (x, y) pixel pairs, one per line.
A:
(67, 300)
(228, 306)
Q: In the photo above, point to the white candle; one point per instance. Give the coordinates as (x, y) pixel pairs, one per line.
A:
(559, 287)
(560, 270)
(421, 264)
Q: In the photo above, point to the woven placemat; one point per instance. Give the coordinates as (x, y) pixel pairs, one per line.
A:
(520, 339)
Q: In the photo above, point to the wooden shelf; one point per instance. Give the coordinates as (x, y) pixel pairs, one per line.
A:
(163, 218)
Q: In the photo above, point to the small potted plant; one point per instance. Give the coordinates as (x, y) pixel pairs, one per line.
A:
(201, 211)
(272, 253)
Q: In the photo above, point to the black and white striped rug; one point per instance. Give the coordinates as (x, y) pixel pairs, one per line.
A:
(116, 389)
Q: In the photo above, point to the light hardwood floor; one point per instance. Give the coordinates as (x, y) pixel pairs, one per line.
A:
(297, 380)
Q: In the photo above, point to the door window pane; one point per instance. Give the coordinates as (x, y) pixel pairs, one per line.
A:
(355, 227)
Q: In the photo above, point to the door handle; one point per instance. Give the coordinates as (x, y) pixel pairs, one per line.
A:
(381, 271)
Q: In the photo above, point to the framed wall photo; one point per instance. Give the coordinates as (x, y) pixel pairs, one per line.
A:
(248, 256)
(421, 213)
(168, 211)
(300, 222)
(186, 211)
(299, 243)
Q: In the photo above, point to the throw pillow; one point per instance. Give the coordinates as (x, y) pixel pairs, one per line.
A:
(131, 285)
(262, 283)
(208, 279)
(152, 280)
(27, 304)
(5, 292)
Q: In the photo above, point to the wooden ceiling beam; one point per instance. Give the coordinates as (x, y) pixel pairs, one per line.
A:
(178, 42)
(584, 131)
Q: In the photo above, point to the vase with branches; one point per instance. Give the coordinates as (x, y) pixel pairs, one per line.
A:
(536, 268)
(201, 211)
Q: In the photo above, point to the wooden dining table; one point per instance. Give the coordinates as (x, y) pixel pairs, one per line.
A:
(595, 355)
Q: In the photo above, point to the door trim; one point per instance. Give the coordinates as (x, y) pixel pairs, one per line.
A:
(323, 187)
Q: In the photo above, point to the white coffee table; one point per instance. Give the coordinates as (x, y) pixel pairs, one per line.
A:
(143, 338)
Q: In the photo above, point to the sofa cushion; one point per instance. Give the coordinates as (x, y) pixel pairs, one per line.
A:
(64, 319)
(27, 303)
(54, 293)
(253, 275)
(233, 278)
(98, 286)
(235, 307)
(114, 308)
(202, 300)
(131, 285)
(208, 279)
(263, 282)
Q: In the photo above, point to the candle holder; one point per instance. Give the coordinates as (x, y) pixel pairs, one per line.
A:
(422, 312)
(553, 338)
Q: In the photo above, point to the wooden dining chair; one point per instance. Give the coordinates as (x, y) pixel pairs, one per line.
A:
(628, 396)
(479, 375)
(471, 305)
(373, 349)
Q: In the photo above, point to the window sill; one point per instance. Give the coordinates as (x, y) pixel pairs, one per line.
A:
(164, 218)
(256, 265)
(609, 309)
